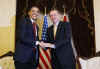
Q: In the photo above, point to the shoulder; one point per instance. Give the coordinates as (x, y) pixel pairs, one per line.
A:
(65, 24)
(50, 27)
(23, 21)
(24, 18)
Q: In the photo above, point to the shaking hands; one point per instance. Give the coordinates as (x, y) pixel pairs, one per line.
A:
(44, 45)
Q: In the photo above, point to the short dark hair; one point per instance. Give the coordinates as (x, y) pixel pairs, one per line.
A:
(54, 9)
(30, 7)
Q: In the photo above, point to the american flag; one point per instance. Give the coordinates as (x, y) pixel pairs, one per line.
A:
(44, 29)
(44, 55)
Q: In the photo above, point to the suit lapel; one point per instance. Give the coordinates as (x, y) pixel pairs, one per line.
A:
(52, 32)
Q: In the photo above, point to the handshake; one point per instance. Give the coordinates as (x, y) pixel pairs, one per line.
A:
(44, 45)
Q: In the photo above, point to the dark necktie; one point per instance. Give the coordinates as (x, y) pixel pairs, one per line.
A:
(34, 30)
(35, 49)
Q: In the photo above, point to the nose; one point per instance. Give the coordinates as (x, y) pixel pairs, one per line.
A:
(53, 17)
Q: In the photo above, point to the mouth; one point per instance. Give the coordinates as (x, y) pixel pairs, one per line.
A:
(34, 15)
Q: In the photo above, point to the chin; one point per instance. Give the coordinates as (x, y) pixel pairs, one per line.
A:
(54, 21)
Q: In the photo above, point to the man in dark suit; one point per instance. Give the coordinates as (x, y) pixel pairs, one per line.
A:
(59, 40)
(26, 49)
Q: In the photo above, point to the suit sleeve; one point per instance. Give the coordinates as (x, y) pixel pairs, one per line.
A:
(67, 36)
(21, 31)
(50, 38)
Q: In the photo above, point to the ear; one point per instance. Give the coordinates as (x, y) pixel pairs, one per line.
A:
(29, 12)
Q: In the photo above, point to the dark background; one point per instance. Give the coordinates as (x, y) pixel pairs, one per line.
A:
(81, 17)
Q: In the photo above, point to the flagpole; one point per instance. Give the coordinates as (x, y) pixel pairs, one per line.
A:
(64, 11)
(65, 18)
(45, 11)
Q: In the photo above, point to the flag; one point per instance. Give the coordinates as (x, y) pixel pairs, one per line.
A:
(44, 29)
(65, 18)
(44, 56)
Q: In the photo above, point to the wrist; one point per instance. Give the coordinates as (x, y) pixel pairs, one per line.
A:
(37, 43)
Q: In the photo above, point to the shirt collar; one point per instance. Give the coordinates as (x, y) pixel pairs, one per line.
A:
(33, 21)
(57, 23)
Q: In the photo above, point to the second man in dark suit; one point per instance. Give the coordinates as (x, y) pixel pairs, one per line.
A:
(59, 40)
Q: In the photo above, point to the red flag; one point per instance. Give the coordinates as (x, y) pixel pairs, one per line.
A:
(65, 18)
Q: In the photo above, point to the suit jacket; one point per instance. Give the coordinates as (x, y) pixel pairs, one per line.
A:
(25, 42)
(62, 55)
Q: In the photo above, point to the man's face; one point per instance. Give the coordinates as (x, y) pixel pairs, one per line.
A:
(55, 16)
(33, 13)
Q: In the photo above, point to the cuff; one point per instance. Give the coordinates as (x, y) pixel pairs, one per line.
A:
(37, 42)
(53, 46)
